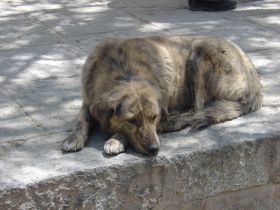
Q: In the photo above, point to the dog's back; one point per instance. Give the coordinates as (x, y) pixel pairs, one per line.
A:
(195, 73)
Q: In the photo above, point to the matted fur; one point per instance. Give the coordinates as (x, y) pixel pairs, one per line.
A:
(136, 87)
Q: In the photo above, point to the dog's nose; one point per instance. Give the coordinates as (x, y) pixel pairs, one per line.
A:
(153, 149)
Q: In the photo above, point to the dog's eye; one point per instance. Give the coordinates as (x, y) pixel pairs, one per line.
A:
(132, 121)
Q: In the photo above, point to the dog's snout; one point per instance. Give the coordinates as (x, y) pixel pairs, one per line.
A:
(153, 149)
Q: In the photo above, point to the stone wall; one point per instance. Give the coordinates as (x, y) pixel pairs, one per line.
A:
(243, 176)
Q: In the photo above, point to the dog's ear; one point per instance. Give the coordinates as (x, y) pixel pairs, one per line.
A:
(104, 110)
(102, 113)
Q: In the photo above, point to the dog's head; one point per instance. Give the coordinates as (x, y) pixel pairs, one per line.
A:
(134, 110)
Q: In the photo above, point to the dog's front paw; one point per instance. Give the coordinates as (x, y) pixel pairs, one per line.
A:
(73, 143)
(199, 124)
(113, 147)
(172, 125)
(169, 126)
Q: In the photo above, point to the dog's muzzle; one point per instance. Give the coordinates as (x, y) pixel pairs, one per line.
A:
(153, 149)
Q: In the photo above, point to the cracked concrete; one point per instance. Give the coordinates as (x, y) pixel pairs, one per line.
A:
(43, 45)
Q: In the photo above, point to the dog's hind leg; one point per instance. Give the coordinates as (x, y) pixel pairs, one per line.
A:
(214, 112)
(79, 135)
(115, 145)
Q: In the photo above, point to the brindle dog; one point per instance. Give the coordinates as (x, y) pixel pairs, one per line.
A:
(136, 87)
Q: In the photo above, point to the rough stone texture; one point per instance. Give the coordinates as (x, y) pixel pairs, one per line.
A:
(194, 173)
(43, 44)
(260, 197)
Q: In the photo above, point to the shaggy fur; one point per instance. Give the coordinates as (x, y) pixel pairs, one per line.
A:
(136, 87)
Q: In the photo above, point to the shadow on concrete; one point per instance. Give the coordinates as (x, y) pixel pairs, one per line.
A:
(44, 43)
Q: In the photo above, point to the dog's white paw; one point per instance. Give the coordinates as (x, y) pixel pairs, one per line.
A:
(113, 147)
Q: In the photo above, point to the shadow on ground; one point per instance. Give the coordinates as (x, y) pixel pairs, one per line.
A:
(43, 45)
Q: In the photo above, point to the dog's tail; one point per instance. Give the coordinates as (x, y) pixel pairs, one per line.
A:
(222, 110)
(217, 111)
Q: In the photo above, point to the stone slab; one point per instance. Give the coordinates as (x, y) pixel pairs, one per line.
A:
(89, 41)
(234, 156)
(260, 197)
(267, 61)
(184, 22)
(23, 33)
(8, 12)
(42, 47)
(25, 64)
(134, 5)
(257, 7)
(86, 20)
(14, 124)
(53, 103)
(54, 5)
(272, 20)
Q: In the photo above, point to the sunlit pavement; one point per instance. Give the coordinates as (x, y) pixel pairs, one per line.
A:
(43, 44)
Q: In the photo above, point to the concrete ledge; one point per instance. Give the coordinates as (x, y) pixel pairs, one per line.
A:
(190, 171)
(234, 165)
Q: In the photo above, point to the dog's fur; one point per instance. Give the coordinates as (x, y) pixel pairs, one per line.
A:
(136, 87)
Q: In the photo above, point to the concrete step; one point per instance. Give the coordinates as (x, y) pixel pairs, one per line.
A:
(43, 44)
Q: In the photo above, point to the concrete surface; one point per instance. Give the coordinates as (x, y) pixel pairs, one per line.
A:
(43, 44)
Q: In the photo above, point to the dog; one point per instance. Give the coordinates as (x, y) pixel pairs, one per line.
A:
(137, 87)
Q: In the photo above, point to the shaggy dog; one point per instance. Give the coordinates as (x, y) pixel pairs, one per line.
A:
(137, 87)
